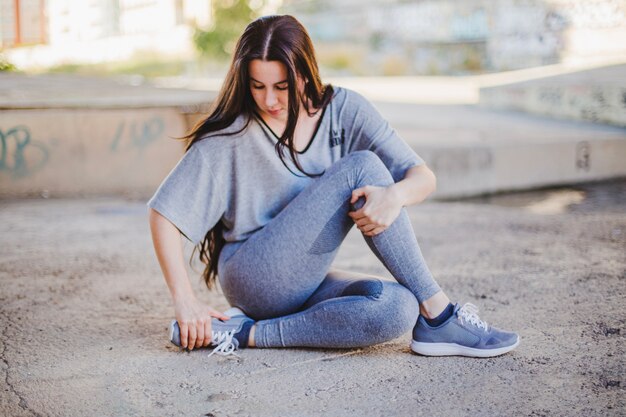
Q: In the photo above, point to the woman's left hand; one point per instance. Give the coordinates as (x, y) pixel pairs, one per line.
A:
(382, 207)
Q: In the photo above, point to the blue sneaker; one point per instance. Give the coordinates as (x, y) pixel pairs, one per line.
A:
(226, 336)
(464, 334)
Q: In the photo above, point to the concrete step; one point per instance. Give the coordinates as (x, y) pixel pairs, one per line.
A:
(63, 136)
(596, 95)
(474, 151)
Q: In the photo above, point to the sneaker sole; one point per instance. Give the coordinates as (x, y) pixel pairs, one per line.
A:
(453, 349)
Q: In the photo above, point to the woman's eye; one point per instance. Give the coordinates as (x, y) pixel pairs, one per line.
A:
(257, 87)
(281, 88)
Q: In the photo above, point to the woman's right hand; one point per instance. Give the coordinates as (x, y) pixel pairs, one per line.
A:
(194, 320)
(194, 317)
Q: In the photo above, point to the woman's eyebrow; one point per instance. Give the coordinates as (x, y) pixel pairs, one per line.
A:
(280, 82)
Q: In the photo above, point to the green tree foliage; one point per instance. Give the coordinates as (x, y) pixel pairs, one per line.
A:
(5, 65)
(230, 17)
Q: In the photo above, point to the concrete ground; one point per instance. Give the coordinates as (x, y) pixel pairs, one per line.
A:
(84, 312)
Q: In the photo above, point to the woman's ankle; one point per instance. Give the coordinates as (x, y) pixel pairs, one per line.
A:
(251, 336)
(435, 305)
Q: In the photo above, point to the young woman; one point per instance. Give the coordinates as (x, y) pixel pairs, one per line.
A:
(269, 186)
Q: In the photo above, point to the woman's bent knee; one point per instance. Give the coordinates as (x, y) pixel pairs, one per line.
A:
(364, 157)
(396, 313)
(367, 162)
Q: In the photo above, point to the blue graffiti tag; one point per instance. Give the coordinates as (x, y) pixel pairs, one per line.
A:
(23, 144)
(139, 134)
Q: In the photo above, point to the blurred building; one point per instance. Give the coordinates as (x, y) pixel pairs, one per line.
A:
(42, 33)
(391, 37)
(451, 36)
(22, 22)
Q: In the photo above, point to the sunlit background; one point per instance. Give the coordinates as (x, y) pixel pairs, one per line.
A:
(376, 37)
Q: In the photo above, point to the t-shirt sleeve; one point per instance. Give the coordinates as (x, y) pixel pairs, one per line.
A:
(190, 197)
(370, 131)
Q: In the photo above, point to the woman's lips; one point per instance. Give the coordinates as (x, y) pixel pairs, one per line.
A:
(274, 112)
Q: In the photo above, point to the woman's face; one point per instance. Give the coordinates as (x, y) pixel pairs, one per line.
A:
(269, 88)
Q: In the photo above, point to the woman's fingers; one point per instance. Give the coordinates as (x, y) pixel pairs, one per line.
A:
(217, 314)
(194, 319)
(367, 228)
(357, 215)
(207, 333)
(375, 231)
(184, 333)
(365, 222)
(200, 333)
(359, 192)
(371, 229)
(362, 217)
(376, 222)
(197, 333)
(192, 335)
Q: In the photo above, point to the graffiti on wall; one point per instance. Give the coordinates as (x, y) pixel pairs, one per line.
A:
(137, 134)
(583, 156)
(602, 14)
(20, 155)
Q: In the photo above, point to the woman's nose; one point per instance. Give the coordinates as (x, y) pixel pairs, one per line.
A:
(270, 99)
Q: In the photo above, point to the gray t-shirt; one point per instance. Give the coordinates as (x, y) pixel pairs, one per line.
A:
(240, 179)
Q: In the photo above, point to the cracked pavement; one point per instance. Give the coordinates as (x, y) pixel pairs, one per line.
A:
(85, 311)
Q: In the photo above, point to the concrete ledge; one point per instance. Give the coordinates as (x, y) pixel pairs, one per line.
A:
(469, 171)
(18, 91)
(597, 95)
(476, 151)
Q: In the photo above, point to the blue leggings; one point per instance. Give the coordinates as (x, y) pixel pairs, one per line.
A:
(282, 277)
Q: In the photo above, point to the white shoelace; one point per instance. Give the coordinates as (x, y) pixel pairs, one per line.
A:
(224, 342)
(469, 313)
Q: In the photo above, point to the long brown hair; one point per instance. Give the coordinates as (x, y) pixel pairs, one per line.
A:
(269, 38)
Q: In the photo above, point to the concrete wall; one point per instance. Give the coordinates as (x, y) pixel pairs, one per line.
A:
(472, 170)
(586, 102)
(60, 152)
(76, 152)
(597, 95)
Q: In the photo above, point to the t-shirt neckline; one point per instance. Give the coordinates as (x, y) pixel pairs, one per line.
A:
(317, 128)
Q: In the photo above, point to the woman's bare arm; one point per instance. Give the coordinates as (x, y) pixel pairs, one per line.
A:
(418, 183)
(193, 316)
